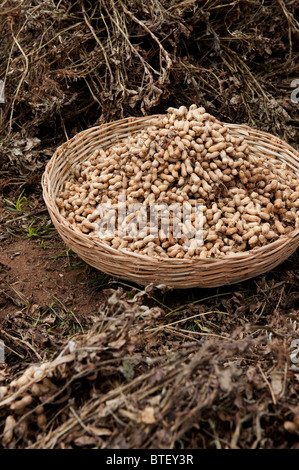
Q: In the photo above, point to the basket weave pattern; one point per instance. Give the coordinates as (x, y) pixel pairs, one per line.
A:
(142, 269)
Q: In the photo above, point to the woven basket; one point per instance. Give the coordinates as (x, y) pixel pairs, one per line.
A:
(142, 269)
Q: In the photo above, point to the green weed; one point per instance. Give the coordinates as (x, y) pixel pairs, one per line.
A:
(39, 231)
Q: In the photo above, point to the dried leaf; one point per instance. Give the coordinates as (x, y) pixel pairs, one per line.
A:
(224, 378)
(127, 370)
(118, 343)
(98, 431)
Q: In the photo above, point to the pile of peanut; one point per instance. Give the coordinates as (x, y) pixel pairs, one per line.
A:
(186, 157)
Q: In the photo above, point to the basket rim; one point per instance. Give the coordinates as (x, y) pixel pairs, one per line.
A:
(282, 240)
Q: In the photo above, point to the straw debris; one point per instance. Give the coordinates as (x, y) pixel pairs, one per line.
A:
(84, 398)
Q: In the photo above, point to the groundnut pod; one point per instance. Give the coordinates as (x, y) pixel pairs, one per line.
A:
(253, 240)
(280, 228)
(19, 404)
(271, 234)
(271, 186)
(264, 215)
(248, 235)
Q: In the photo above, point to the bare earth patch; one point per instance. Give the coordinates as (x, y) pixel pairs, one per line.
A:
(96, 362)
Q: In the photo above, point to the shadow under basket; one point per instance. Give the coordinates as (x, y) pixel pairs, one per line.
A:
(142, 269)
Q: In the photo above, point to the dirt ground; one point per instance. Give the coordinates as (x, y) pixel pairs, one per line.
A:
(199, 368)
(97, 362)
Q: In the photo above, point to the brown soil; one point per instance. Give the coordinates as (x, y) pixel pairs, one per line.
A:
(45, 283)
